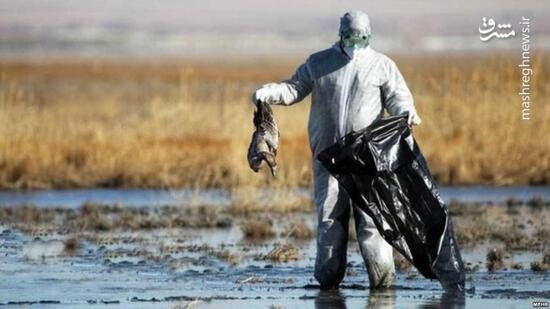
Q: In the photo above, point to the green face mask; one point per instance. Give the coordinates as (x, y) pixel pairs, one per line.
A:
(355, 41)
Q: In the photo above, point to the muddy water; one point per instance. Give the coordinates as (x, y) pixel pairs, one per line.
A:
(177, 267)
(220, 268)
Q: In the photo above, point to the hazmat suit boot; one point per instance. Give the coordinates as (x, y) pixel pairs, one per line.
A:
(333, 209)
(376, 252)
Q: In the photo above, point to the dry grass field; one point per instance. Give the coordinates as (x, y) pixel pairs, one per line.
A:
(78, 123)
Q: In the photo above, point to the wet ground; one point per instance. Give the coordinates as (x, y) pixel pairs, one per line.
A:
(50, 261)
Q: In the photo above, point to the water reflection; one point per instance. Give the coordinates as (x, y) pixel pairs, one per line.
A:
(375, 299)
(447, 300)
(330, 299)
(386, 299)
(220, 197)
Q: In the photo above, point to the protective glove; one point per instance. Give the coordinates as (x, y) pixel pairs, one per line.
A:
(414, 119)
(268, 93)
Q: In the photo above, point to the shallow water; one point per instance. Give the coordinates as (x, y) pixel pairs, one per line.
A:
(138, 269)
(152, 197)
(177, 267)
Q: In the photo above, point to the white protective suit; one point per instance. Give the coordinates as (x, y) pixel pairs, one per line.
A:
(347, 94)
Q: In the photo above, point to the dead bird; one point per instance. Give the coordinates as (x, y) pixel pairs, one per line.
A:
(265, 139)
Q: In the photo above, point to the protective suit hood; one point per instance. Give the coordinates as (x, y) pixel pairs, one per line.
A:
(355, 23)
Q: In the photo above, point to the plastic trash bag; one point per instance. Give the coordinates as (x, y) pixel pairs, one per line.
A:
(392, 183)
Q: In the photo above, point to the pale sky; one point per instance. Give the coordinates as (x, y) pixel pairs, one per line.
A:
(206, 26)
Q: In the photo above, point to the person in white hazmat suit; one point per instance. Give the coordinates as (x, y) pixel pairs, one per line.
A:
(351, 84)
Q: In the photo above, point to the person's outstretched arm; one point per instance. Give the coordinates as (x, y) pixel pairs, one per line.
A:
(396, 95)
(286, 92)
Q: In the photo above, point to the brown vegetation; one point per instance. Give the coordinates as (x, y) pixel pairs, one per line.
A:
(98, 217)
(299, 230)
(248, 199)
(474, 223)
(187, 124)
(517, 266)
(283, 253)
(257, 229)
(516, 227)
(71, 246)
(543, 265)
(495, 259)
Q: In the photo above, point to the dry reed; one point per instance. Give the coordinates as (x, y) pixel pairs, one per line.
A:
(188, 124)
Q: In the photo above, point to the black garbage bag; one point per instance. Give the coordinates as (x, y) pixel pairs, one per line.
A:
(392, 183)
